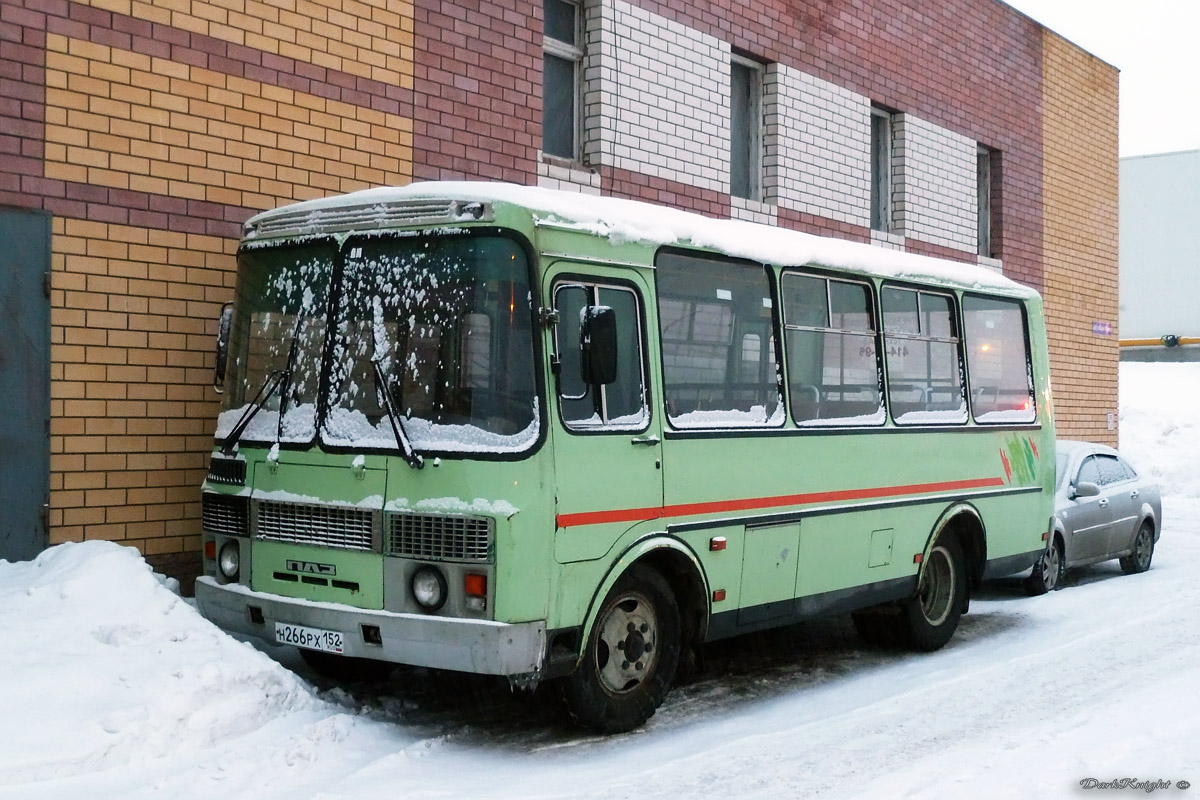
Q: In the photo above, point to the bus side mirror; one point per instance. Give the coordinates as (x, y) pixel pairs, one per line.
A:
(598, 345)
(223, 325)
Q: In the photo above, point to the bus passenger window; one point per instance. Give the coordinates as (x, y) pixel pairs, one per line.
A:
(829, 341)
(999, 370)
(718, 351)
(921, 346)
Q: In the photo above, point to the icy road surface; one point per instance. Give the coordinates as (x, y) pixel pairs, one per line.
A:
(111, 686)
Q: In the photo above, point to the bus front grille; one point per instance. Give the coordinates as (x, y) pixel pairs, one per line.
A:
(225, 514)
(442, 537)
(322, 526)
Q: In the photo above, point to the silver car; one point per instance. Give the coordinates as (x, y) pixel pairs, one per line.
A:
(1102, 509)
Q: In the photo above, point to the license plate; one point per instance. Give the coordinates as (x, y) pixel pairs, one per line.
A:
(311, 638)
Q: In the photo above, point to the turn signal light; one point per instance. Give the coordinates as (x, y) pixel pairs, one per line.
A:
(210, 550)
(475, 585)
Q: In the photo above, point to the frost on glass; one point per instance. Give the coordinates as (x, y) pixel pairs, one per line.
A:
(718, 343)
(834, 376)
(998, 360)
(921, 346)
(448, 320)
(279, 321)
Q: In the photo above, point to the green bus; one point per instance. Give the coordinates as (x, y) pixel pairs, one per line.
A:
(520, 432)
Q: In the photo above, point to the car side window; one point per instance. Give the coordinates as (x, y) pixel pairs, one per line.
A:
(1130, 472)
(1089, 472)
(1111, 470)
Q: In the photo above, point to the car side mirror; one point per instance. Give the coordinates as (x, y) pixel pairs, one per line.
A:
(598, 345)
(224, 323)
(1085, 489)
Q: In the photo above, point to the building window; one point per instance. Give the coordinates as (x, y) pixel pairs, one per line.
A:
(881, 169)
(983, 171)
(745, 127)
(562, 57)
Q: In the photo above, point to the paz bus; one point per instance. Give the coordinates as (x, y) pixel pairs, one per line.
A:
(519, 432)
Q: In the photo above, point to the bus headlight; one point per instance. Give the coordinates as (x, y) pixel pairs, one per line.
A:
(229, 560)
(429, 588)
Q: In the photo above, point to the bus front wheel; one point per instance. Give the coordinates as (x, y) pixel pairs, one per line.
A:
(631, 655)
(929, 619)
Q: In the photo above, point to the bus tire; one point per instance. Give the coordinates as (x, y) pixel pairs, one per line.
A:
(631, 656)
(929, 618)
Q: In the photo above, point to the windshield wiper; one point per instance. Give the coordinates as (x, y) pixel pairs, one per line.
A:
(280, 379)
(384, 389)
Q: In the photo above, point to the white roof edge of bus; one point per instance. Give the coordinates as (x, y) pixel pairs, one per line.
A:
(635, 221)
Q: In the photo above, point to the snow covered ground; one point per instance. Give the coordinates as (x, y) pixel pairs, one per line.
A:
(111, 686)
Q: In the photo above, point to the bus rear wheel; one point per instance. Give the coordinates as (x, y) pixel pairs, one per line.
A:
(631, 656)
(928, 619)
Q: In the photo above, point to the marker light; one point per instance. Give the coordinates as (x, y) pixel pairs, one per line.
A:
(229, 560)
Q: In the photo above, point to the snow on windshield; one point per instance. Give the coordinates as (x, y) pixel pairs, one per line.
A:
(434, 342)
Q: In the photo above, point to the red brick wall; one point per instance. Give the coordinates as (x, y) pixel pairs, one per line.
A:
(972, 66)
(477, 90)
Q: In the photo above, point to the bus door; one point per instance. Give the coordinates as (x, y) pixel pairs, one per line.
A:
(607, 443)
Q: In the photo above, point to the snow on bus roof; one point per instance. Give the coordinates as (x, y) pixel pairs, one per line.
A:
(634, 221)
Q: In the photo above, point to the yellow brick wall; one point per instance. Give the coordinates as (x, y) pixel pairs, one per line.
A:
(128, 121)
(369, 38)
(133, 309)
(1080, 236)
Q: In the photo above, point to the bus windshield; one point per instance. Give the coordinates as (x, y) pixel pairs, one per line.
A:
(433, 342)
(276, 343)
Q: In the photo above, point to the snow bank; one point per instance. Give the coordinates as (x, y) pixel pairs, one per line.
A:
(103, 666)
(1160, 423)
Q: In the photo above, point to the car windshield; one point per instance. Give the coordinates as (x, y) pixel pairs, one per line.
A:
(276, 342)
(437, 332)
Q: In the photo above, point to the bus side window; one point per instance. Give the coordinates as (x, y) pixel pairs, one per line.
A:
(998, 364)
(620, 405)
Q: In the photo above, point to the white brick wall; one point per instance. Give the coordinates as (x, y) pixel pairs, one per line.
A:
(656, 97)
(817, 142)
(935, 184)
(568, 177)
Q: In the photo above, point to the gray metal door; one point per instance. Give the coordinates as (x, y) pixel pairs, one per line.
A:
(24, 382)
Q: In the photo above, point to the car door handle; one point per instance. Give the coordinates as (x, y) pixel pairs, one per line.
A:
(1134, 494)
(649, 439)
(1104, 503)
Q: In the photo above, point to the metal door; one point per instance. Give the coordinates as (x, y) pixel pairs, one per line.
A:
(24, 381)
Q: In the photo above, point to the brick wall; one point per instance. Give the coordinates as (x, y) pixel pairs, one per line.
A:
(477, 90)
(935, 185)
(1080, 96)
(151, 132)
(657, 96)
(817, 142)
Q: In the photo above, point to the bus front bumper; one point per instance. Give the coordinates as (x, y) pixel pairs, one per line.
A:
(477, 646)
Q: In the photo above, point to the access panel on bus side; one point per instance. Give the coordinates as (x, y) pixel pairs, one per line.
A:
(605, 438)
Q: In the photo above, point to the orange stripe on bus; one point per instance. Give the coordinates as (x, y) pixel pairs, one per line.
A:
(758, 503)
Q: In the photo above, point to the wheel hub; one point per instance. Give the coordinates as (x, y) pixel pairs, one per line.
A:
(625, 649)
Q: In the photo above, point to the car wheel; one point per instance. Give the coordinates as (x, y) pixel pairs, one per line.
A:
(929, 619)
(1143, 551)
(631, 656)
(1047, 571)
